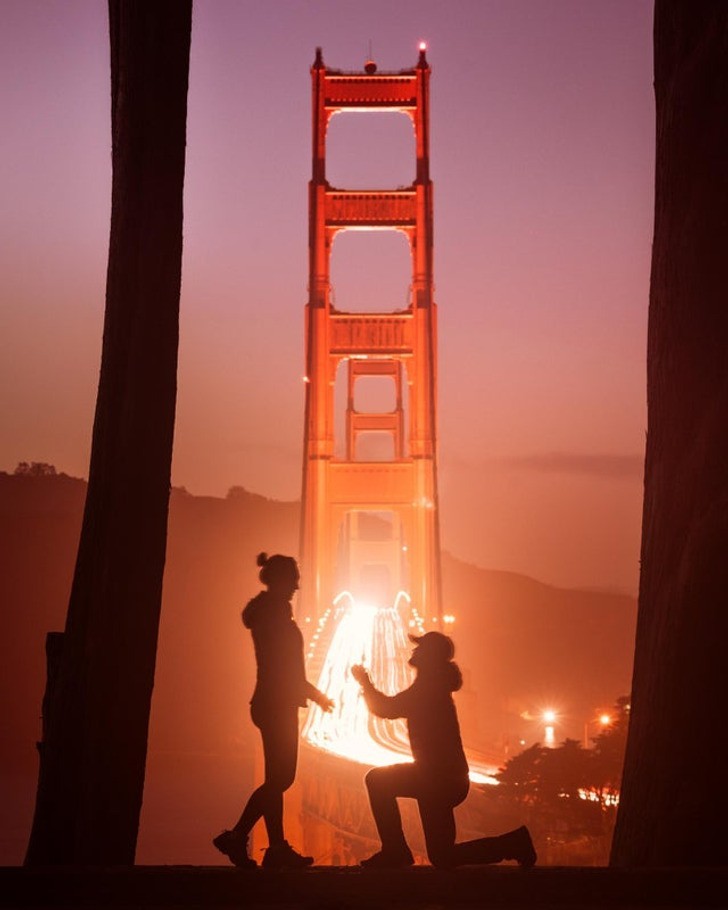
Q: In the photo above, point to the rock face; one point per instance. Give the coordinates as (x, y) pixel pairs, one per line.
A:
(674, 803)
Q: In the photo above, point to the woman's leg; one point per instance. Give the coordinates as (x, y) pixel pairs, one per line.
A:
(280, 750)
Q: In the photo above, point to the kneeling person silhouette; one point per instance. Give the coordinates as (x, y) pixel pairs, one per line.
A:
(438, 776)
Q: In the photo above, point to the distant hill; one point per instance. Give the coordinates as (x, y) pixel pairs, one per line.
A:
(527, 646)
(523, 646)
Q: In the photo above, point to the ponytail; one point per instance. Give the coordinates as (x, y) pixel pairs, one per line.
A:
(276, 567)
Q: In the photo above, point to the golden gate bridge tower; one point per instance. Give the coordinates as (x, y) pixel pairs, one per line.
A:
(370, 548)
(370, 527)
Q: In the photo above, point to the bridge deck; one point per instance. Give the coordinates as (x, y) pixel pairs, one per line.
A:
(339, 888)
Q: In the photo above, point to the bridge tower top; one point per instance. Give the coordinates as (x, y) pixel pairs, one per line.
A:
(396, 545)
(404, 91)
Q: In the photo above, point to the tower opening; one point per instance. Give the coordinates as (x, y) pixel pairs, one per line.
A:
(371, 271)
(370, 410)
(376, 150)
(375, 445)
(375, 395)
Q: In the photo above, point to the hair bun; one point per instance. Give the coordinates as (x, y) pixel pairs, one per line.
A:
(262, 559)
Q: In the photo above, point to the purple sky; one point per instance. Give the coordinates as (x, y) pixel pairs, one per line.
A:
(542, 158)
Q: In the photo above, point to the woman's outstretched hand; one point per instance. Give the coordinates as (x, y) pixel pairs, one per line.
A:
(360, 674)
(325, 703)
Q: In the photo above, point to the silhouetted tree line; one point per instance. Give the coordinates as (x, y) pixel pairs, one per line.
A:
(569, 794)
(34, 469)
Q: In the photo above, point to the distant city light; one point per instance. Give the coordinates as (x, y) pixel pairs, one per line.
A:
(607, 797)
(605, 720)
(448, 618)
(549, 733)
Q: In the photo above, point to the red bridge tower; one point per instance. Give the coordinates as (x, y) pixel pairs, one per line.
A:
(396, 546)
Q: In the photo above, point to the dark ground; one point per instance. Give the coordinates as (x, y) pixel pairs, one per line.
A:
(341, 888)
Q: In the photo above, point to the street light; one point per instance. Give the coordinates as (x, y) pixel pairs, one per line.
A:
(549, 719)
(603, 721)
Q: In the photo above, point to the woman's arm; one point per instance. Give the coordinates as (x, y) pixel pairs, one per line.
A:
(317, 696)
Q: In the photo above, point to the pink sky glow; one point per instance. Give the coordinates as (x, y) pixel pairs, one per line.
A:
(542, 160)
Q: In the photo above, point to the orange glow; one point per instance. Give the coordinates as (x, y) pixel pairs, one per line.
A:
(605, 720)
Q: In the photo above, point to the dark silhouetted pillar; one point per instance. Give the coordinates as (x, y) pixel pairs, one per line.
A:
(674, 804)
(97, 705)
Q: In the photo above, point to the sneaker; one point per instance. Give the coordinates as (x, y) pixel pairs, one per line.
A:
(390, 859)
(235, 847)
(521, 847)
(283, 856)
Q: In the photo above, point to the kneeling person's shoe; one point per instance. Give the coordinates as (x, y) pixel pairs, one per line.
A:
(235, 847)
(283, 856)
(389, 859)
(520, 847)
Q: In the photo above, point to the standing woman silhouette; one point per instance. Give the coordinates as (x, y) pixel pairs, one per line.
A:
(281, 689)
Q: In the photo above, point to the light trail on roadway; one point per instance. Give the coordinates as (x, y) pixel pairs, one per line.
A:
(359, 633)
